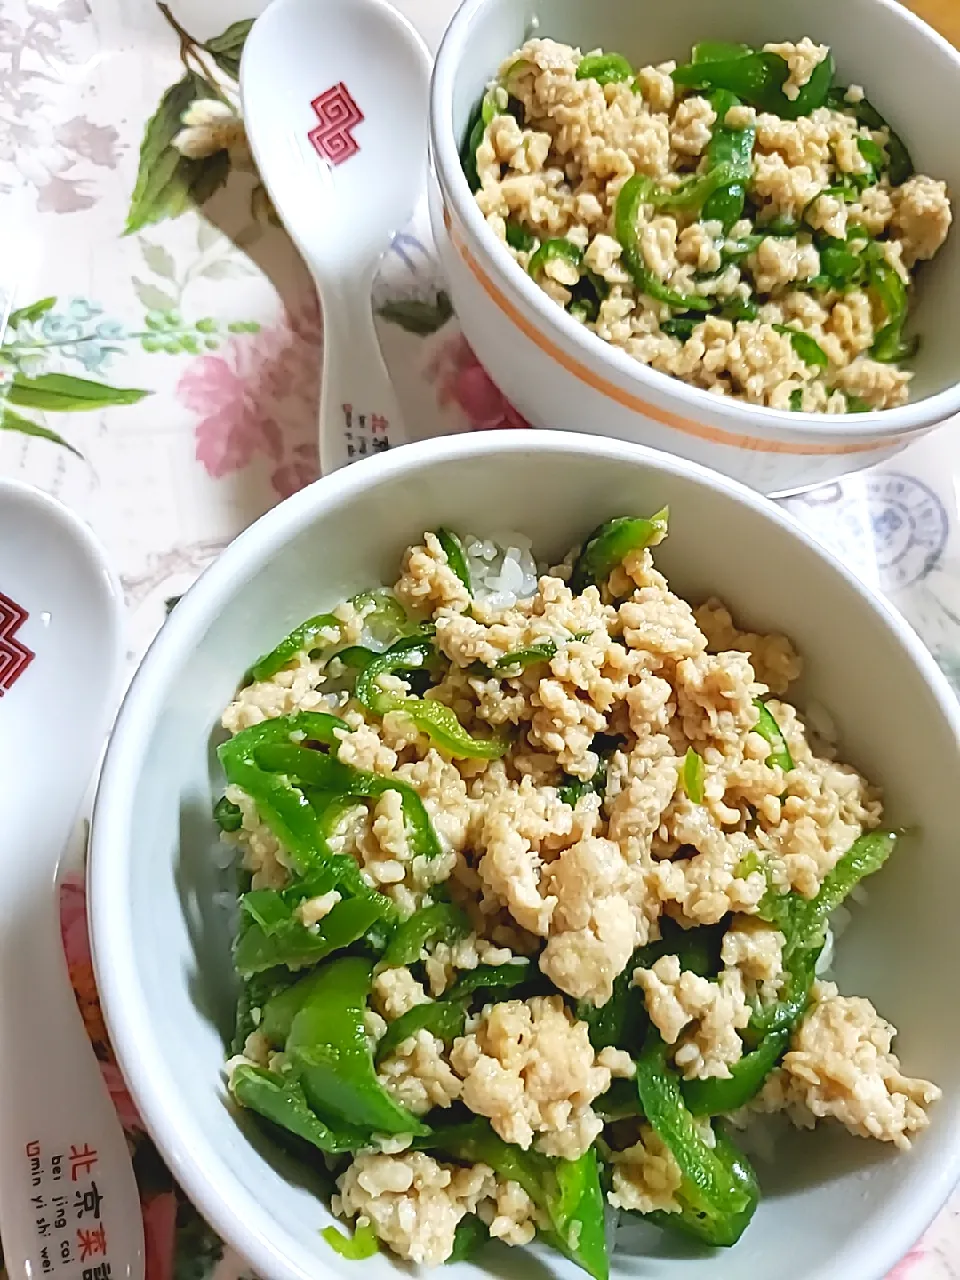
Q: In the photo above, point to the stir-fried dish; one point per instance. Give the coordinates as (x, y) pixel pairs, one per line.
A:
(740, 222)
(539, 882)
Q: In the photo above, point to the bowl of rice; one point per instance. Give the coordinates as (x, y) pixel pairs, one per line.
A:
(721, 234)
(565, 883)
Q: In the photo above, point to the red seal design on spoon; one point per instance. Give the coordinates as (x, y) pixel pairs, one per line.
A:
(14, 656)
(338, 115)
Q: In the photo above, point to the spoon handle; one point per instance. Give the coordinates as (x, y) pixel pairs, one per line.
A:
(359, 413)
(69, 1204)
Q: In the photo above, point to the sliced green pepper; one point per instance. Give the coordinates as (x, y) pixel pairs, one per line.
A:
(554, 250)
(716, 1199)
(278, 937)
(442, 1018)
(328, 1050)
(387, 613)
(720, 1097)
(719, 51)
(567, 1191)
(887, 283)
(278, 1012)
(610, 544)
(433, 718)
(281, 1100)
(692, 774)
(520, 238)
(796, 400)
(768, 728)
(800, 969)
(901, 165)
(587, 295)
(441, 922)
(281, 805)
(456, 556)
(227, 815)
(470, 1236)
(680, 327)
(758, 79)
(491, 977)
(732, 150)
(635, 192)
(574, 789)
(807, 348)
(520, 659)
(605, 68)
(256, 993)
(471, 141)
(717, 1231)
(313, 769)
(361, 1245)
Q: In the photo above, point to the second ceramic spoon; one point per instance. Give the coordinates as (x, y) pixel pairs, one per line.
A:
(340, 139)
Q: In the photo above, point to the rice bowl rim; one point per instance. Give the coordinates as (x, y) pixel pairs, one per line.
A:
(203, 1173)
(775, 426)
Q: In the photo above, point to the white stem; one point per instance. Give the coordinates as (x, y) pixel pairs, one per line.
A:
(359, 412)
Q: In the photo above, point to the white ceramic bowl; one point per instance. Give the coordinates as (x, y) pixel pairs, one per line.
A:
(559, 374)
(834, 1205)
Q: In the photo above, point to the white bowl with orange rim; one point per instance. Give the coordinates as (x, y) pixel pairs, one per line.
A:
(560, 374)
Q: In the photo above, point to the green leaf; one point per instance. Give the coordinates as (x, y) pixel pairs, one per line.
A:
(228, 46)
(24, 315)
(416, 316)
(153, 298)
(62, 393)
(167, 182)
(10, 421)
(158, 260)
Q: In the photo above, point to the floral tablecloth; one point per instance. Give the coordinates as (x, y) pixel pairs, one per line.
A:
(160, 374)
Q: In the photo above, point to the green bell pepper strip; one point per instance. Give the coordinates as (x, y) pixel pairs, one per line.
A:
(456, 556)
(551, 250)
(732, 149)
(254, 997)
(888, 286)
(520, 659)
(901, 165)
(277, 937)
(716, 1201)
(796, 400)
(491, 977)
(387, 612)
(278, 1012)
(720, 1097)
(758, 79)
(605, 68)
(361, 1245)
(807, 348)
(433, 718)
(471, 141)
(588, 293)
(441, 922)
(622, 1022)
(582, 1238)
(719, 51)
(768, 728)
(281, 1100)
(691, 776)
(520, 238)
(723, 1231)
(313, 769)
(680, 327)
(619, 1102)
(227, 815)
(610, 544)
(443, 1018)
(635, 192)
(281, 805)
(800, 969)
(470, 1236)
(327, 1049)
(567, 1191)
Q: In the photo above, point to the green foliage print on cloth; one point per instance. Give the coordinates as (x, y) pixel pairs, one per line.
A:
(195, 138)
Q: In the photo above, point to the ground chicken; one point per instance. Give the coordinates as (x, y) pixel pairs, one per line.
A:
(645, 1177)
(676, 998)
(840, 1064)
(558, 175)
(531, 1069)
